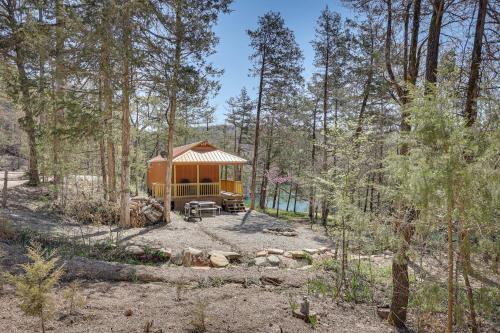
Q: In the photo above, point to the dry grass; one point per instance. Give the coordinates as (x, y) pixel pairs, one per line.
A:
(93, 211)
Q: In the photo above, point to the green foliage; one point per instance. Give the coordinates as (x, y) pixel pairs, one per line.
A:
(450, 165)
(429, 297)
(312, 319)
(487, 300)
(199, 315)
(35, 286)
(292, 303)
(73, 296)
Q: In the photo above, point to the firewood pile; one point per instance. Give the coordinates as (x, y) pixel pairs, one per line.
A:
(145, 211)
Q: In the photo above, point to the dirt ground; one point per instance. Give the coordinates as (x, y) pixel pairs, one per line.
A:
(230, 308)
(241, 232)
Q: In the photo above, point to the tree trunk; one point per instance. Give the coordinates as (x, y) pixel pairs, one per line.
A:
(136, 150)
(433, 42)
(58, 91)
(277, 197)
(267, 166)
(465, 260)
(29, 122)
(253, 182)
(295, 198)
(289, 198)
(324, 207)
(312, 194)
(473, 85)
(403, 227)
(366, 95)
(471, 116)
(125, 172)
(4, 190)
(449, 218)
(400, 280)
(108, 98)
(173, 108)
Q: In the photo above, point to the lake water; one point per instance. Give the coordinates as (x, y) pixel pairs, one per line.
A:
(302, 205)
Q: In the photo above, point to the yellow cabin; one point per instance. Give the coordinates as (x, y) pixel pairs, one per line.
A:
(201, 171)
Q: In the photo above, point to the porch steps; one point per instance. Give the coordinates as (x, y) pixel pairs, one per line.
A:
(233, 205)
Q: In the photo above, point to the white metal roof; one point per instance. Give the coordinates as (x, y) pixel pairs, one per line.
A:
(216, 156)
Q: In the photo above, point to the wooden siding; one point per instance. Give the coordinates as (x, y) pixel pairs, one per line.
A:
(188, 173)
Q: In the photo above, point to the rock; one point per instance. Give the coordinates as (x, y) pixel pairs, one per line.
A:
(218, 260)
(193, 251)
(135, 250)
(305, 268)
(262, 253)
(289, 233)
(288, 254)
(188, 254)
(383, 311)
(290, 263)
(275, 251)
(274, 260)
(323, 249)
(200, 261)
(166, 253)
(128, 313)
(228, 254)
(202, 268)
(260, 261)
(176, 259)
(297, 254)
(311, 251)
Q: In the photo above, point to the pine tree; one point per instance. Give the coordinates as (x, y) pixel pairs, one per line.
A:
(330, 48)
(34, 287)
(276, 57)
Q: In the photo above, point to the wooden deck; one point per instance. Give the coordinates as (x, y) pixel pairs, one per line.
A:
(227, 188)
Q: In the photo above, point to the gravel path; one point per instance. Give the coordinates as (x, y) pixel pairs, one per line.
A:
(241, 232)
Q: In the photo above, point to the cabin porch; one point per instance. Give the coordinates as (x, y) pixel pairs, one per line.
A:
(213, 182)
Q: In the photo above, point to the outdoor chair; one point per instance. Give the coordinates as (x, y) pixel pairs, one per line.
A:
(192, 210)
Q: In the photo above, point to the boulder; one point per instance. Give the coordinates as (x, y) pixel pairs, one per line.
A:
(262, 253)
(297, 254)
(311, 251)
(218, 260)
(305, 268)
(323, 249)
(275, 251)
(166, 253)
(274, 260)
(260, 261)
(189, 254)
(135, 250)
(289, 262)
(200, 261)
(228, 254)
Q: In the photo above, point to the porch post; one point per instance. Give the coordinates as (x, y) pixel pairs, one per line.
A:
(220, 187)
(197, 179)
(175, 181)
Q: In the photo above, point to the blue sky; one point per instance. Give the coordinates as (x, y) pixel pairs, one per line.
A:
(232, 51)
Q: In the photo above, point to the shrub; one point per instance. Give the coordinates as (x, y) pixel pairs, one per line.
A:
(93, 211)
(34, 287)
(74, 297)
(200, 316)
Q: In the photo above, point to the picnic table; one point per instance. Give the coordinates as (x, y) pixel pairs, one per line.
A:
(195, 209)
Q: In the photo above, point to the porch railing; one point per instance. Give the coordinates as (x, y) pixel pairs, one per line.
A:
(187, 190)
(232, 186)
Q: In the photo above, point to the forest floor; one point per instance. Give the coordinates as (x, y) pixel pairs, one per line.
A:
(240, 232)
(123, 297)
